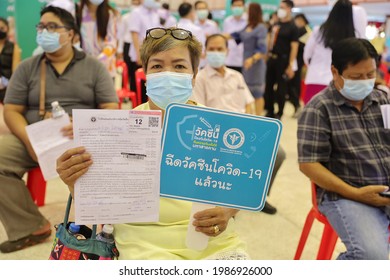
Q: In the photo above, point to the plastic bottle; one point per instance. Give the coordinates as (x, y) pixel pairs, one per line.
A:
(74, 230)
(57, 111)
(106, 235)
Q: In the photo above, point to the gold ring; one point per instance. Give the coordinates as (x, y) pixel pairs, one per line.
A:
(216, 229)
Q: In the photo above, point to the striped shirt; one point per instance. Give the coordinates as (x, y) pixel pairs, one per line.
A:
(353, 145)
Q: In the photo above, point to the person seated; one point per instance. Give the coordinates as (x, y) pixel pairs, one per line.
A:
(223, 88)
(344, 149)
(174, 54)
(9, 57)
(70, 75)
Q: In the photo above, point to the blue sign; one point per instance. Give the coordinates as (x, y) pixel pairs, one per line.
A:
(217, 157)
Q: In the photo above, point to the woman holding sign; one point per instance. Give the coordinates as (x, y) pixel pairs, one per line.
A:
(170, 59)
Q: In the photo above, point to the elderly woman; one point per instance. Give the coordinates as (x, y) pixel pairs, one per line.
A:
(169, 57)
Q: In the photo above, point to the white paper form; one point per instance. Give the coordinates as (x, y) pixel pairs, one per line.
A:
(386, 115)
(48, 143)
(123, 183)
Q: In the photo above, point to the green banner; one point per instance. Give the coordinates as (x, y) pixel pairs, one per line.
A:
(7, 8)
(26, 17)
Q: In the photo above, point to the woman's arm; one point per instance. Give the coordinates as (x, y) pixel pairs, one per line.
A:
(16, 122)
(15, 57)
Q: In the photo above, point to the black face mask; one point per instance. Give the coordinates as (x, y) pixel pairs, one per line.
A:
(3, 35)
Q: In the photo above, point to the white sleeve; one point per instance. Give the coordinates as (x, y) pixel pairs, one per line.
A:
(310, 45)
(245, 90)
(199, 92)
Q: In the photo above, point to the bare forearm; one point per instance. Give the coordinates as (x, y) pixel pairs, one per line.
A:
(293, 52)
(16, 123)
(135, 37)
(106, 106)
(327, 180)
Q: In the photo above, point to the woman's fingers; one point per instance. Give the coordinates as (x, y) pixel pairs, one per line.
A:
(72, 164)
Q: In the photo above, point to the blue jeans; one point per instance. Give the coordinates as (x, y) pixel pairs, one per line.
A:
(362, 228)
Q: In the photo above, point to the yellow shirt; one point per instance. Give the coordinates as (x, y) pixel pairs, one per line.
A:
(165, 239)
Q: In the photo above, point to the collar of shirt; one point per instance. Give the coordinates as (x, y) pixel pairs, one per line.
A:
(213, 72)
(78, 55)
(185, 21)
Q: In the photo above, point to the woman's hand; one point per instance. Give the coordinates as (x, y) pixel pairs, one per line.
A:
(248, 63)
(72, 164)
(213, 221)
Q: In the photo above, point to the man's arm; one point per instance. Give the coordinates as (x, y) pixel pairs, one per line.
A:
(293, 55)
(325, 179)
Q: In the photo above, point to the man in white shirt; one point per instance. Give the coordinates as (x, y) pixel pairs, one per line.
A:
(209, 27)
(186, 21)
(124, 43)
(143, 18)
(235, 23)
(220, 87)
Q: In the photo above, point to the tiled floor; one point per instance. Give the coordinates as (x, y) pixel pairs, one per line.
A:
(269, 237)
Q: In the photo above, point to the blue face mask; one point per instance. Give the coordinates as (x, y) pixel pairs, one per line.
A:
(357, 90)
(216, 59)
(168, 87)
(202, 14)
(151, 4)
(237, 11)
(49, 42)
(96, 2)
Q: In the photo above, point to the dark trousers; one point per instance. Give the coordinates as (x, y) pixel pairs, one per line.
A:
(131, 66)
(294, 88)
(275, 78)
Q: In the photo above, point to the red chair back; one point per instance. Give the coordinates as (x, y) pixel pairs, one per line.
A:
(124, 91)
(139, 77)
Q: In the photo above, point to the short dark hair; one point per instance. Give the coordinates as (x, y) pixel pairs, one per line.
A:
(303, 17)
(4, 21)
(289, 3)
(351, 51)
(237, 1)
(200, 2)
(184, 9)
(214, 36)
(165, 6)
(66, 18)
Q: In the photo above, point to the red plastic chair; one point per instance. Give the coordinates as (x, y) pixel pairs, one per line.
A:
(139, 77)
(36, 184)
(329, 236)
(125, 91)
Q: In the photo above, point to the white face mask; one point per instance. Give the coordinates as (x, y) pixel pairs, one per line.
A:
(96, 2)
(357, 90)
(282, 13)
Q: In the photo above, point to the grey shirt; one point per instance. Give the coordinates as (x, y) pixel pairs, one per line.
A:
(84, 84)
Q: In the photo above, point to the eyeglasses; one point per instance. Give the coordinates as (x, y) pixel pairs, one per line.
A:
(50, 27)
(178, 33)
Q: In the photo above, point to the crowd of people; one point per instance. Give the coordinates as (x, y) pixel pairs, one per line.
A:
(246, 65)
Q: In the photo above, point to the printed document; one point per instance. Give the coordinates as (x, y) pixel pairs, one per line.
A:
(386, 115)
(123, 183)
(48, 143)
